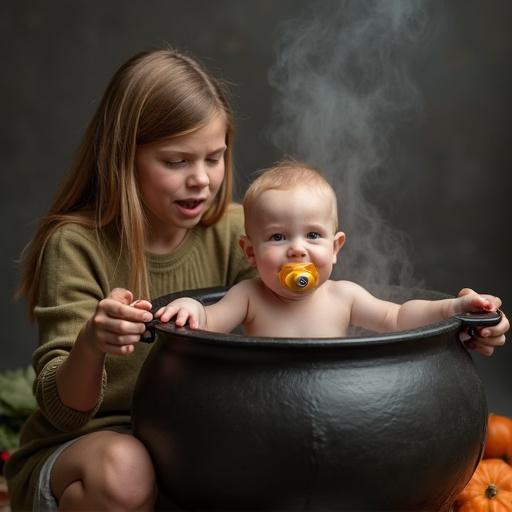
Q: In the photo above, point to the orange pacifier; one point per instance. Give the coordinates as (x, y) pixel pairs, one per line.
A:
(299, 277)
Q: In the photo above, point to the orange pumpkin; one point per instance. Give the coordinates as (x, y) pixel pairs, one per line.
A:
(489, 490)
(499, 438)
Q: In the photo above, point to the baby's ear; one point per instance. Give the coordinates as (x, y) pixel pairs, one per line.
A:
(248, 249)
(339, 240)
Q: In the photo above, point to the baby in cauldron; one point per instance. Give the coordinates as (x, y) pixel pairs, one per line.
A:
(292, 238)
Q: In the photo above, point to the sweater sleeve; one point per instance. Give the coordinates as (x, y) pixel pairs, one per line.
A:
(73, 280)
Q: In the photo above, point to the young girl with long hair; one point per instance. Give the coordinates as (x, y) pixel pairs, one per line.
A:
(146, 210)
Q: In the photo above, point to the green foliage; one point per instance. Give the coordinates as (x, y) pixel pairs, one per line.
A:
(16, 404)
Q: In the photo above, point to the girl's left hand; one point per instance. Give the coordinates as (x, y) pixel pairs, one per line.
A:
(485, 339)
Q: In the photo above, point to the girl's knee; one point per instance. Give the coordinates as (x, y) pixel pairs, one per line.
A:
(128, 474)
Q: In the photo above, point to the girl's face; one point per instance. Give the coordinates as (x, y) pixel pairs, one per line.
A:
(292, 226)
(179, 178)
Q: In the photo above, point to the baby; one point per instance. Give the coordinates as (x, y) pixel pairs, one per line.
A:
(293, 241)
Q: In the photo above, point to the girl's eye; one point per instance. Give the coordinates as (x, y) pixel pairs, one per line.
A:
(277, 237)
(313, 235)
(215, 157)
(175, 163)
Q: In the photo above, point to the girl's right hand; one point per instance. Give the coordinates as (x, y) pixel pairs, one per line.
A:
(118, 323)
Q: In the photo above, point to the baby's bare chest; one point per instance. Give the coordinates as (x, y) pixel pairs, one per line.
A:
(308, 319)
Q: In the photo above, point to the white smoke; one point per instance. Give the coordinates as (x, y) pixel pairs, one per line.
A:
(341, 85)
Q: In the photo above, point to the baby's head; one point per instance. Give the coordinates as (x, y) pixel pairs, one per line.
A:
(287, 175)
(291, 220)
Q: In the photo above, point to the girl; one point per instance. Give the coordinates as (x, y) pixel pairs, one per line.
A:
(145, 211)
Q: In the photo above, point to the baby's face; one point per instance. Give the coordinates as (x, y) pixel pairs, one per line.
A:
(295, 225)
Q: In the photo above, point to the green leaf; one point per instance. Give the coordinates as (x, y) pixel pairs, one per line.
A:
(16, 397)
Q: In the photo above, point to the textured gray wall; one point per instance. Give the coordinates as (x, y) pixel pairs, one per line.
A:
(446, 182)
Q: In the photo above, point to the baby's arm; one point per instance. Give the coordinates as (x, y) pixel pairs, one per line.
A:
(415, 313)
(222, 316)
(484, 340)
(383, 316)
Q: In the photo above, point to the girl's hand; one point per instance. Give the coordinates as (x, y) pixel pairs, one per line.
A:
(117, 323)
(484, 339)
(185, 310)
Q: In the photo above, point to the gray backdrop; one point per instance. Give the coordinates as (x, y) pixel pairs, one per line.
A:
(444, 181)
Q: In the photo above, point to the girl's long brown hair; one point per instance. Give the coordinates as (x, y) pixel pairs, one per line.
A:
(156, 94)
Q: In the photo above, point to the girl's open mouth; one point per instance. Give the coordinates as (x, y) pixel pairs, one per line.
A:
(190, 207)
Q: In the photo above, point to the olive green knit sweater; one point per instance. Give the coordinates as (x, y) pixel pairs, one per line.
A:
(76, 275)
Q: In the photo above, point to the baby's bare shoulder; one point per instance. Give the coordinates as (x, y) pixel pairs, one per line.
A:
(344, 288)
(248, 289)
(249, 285)
(243, 287)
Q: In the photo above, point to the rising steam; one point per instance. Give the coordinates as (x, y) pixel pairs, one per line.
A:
(341, 86)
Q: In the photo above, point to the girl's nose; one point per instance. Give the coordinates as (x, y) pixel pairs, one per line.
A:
(198, 176)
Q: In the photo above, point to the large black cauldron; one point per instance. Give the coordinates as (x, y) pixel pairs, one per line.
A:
(390, 422)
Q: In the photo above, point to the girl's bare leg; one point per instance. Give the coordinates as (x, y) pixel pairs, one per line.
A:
(104, 471)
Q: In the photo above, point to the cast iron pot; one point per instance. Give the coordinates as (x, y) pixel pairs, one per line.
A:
(388, 422)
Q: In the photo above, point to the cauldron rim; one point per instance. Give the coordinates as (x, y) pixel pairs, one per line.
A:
(208, 295)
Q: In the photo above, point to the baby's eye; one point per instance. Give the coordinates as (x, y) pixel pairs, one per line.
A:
(277, 237)
(313, 235)
(212, 161)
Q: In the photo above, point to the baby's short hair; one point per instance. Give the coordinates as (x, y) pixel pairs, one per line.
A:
(286, 175)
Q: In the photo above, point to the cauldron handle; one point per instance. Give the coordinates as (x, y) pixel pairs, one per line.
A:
(148, 336)
(471, 321)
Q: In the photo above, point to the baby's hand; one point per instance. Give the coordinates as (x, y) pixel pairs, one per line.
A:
(484, 339)
(185, 310)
